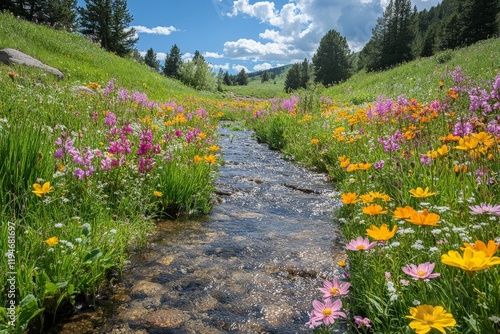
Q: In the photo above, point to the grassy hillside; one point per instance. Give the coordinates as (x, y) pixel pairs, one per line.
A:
(82, 61)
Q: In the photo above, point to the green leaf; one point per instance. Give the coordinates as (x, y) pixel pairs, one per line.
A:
(28, 310)
(86, 229)
(93, 255)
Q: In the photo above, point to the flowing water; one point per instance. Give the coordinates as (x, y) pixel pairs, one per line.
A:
(254, 265)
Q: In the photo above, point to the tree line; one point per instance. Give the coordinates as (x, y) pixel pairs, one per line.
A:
(401, 34)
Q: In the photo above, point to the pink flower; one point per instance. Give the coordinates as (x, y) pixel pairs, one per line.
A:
(327, 312)
(485, 208)
(362, 322)
(387, 275)
(405, 282)
(360, 244)
(423, 271)
(334, 288)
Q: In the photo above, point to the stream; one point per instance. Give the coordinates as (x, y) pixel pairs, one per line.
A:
(254, 265)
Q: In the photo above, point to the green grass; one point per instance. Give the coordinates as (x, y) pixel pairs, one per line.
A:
(258, 89)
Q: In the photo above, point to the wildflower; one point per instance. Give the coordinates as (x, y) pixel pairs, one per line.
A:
(362, 322)
(12, 75)
(426, 317)
(495, 319)
(367, 198)
(197, 158)
(157, 193)
(382, 196)
(424, 218)
(373, 210)
(327, 312)
(421, 193)
(421, 272)
(315, 141)
(404, 282)
(52, 241)
(42, 190)
(342, 263)
(364, 166)
(381, 233)
(403, 213)
(472, 260)
(214, 148)
(485, 208)
(360, 244)
(349, 198)
(210, 159)
(334, 288)
(479, 245)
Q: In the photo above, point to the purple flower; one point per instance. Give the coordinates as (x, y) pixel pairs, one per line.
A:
(110, 119)
(379, 165)
(79, 173)
(425, 160)
(362, 322)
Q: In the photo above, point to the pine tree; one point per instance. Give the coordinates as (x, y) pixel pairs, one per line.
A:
(331, 60)
(305, 75)
(173, 62)
(293, 78)
(150, 59)
(265, 77)
(227, 79)
(107, 22)
(479, 18)
(56, 13)
(242, 78)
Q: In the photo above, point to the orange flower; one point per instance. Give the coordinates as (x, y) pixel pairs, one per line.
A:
(351, 168)
(345, 163)
(157, 193)
(452, 93)
(424, 218)
(367, 198)
(373, 210)
(315, 141)
(382, 196)
(349, 198)
(210, 159)
(364, 166)
(381, 233)
(197, 158)
(479, 245)
(421, 193)
(403, 213)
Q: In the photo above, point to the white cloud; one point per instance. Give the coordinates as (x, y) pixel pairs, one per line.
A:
(187, 56)
(224, 67)
(156, 30)
(238, 68)
(262, 67)
(212, 55)
(161, 56)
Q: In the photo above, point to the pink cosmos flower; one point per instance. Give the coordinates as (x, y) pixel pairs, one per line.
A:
(423, 271)
(327, 312)
(360, 244)
(334, 288)
(485, 208)
(362, 322)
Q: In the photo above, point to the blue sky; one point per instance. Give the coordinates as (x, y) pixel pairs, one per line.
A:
(252, 34)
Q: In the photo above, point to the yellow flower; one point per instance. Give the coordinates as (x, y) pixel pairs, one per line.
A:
(367, 198)
(473, 260)
(349, 198)
(210, 159)
(197, 158)
(351, 168)
(157, 193)
(424, 218)
(377, 194)
(403, 213)
(52, 241)
(214, 148)
(373, 209)
(443, 150)
(381, 233)
(489, 249)
(42, 190)
(342, 263)
(421, 193)
(426, 317)
(364, 166)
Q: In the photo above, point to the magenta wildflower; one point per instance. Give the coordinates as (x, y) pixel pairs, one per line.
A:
(334, 288)
(423, 271)
(327, 312)
(485, 208)
(362, 322)
(360, 244)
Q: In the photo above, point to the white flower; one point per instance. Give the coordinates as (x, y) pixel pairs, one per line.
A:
(79, 240)
(416, 302)
(436, 231)
(434, 249)
(418, 246)
(59, 225)
(495, 319)
(395, 244)
(113, 231)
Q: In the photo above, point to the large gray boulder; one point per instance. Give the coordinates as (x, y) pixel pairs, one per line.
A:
(9, 56)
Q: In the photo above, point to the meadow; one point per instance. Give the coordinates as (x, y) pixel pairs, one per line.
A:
(413, 152)
(418, 179)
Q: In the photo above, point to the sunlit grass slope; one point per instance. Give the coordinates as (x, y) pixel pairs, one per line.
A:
(82, 61)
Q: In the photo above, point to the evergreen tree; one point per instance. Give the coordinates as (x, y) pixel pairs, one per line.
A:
(227, 79)
(173, 62)
(151, 61)
(220, 79)
(242, 78)
(56, 13)
(293, 78)
(479, 18)
(331, 64)
(265, 77)
(107, 22)
(305, 75)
